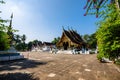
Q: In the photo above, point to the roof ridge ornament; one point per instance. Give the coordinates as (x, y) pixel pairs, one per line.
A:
(69, 29)
(11, 15)
(63, 28)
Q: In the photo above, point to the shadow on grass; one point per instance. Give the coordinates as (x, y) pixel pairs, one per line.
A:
(20, 64)
(18, 76)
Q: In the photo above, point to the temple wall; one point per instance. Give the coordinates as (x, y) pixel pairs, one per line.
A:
(65, 39)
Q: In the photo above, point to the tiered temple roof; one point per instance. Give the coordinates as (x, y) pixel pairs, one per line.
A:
(72, 37)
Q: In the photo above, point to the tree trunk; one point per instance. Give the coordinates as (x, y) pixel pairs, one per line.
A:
(117, 4)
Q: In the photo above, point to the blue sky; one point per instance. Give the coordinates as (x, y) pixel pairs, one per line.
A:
(43, 19)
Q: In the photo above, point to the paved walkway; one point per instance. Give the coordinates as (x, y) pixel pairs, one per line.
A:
(47, 66)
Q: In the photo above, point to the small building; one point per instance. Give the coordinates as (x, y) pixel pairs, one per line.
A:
(47, 46)
(70, 39)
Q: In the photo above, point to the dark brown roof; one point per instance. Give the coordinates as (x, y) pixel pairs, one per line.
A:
(73, 36)
(48, 43)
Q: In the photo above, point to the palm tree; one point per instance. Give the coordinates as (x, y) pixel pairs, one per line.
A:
(23, 38)
(17, 39)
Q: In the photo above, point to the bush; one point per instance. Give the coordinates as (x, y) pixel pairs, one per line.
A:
(108, 37)
(117, 62)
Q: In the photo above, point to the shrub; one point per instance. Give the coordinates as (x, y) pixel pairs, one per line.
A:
(108, 37)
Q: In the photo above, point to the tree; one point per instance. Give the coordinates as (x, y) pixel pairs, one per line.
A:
(23, 44)
(23, 38)
(17, 39)
(20, 42)
(108, 35)
(90, 40)
(10, 31)
(93, 41)
(86, 38)
(98, 4)
(4, 41)
(108, 38)
(35, 43)
(30, 45)
(56, 40)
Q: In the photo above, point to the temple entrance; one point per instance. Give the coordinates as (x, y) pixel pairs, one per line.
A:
(65, 45)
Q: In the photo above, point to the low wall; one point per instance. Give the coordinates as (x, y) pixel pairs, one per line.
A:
(9, 54)
(7, 58)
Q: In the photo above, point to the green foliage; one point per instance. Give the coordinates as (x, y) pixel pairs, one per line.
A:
(20, 42)
(108, 34)
(34, 43)
(21, 47)
(4, 41)
(91, 40)
(30, 44)
(7, 36)
(23, 38)
(100, 55)
(118, 62)
(86, 37)
(17, 38)
(56, 40)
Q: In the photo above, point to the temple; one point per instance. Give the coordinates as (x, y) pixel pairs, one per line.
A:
(70, 39)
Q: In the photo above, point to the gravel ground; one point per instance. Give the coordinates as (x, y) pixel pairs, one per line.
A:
(47, 66)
